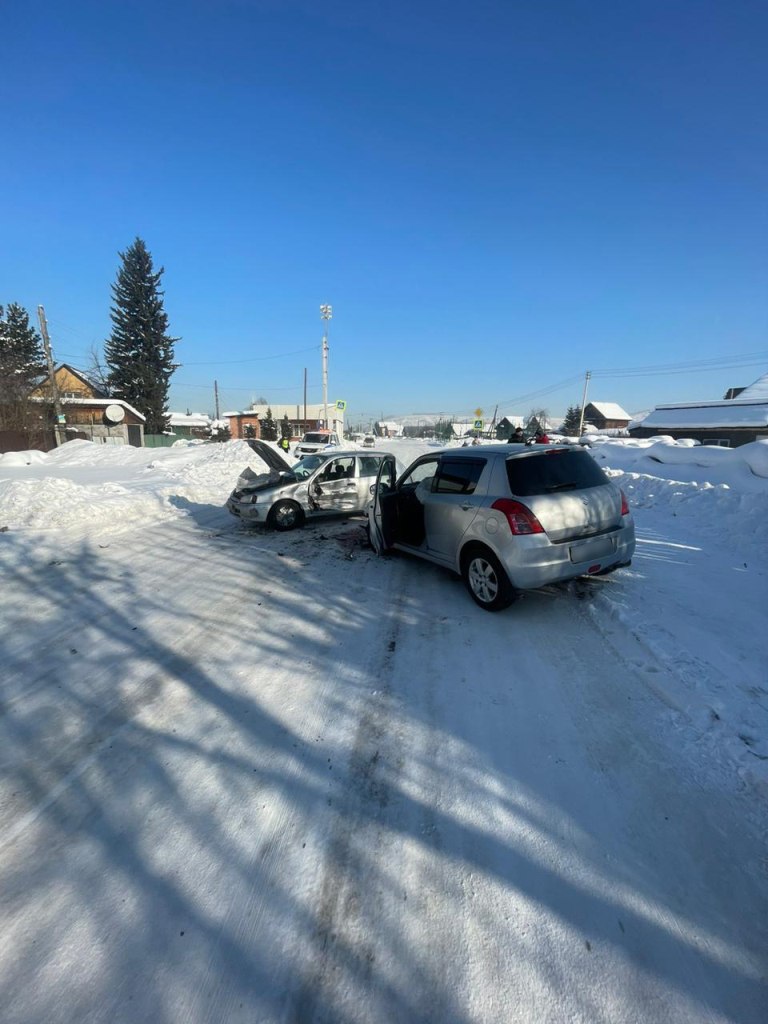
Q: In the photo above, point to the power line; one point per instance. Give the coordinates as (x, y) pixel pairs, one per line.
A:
(689, 368)
(543, 391)
(655, 370)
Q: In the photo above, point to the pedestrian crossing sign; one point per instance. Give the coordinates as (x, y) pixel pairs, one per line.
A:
(477, 425)
(341, 405)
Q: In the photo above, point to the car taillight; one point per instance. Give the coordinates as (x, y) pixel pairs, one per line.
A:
(624, 503)
(521, 520)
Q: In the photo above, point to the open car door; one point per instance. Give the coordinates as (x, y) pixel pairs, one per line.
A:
(381, 512)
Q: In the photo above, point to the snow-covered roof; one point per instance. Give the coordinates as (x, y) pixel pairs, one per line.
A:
(757, 389)
(610, 411)
(97, 401)
(193, 419)
(734, 413)
(315, 411)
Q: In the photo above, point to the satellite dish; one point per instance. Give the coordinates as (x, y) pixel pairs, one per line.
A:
(114, 414)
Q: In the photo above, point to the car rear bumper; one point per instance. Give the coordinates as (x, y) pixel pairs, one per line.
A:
(530, 565)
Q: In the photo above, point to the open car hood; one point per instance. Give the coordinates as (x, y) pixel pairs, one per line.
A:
(272, 457)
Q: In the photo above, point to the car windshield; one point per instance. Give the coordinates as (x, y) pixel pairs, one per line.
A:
(316, 438)
(306, 467)
(553, 471)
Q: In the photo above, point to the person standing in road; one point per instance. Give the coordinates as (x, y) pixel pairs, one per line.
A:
(517, 436)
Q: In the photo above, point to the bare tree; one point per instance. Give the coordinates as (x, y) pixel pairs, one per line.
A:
(537, 418)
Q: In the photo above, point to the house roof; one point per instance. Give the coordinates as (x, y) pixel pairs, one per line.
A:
(193, 419)
(98, 391)
(101, 402)
(733, 413)
(757, 389)
(511, 421)
(610, 411)
(749, 409)
(295, 411)
(462, 428)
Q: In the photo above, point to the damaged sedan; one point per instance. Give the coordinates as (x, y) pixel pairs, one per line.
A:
(328, 483)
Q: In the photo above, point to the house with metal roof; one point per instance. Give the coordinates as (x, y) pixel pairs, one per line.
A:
(729, 423)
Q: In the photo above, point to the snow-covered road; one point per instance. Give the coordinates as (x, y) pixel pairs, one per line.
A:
(259, 777)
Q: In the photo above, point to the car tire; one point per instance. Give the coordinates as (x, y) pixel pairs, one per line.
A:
(485, 579)
(285, 515)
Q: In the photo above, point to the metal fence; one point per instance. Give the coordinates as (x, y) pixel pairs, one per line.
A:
(159, 440)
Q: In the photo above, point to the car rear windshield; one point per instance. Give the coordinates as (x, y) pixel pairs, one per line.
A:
(551, 472)
(316, 438)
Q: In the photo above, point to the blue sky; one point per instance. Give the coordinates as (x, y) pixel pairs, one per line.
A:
(494, 196)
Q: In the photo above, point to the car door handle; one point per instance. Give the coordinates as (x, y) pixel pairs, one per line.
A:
(466, 507)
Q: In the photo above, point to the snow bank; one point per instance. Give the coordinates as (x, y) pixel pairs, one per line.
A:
(86, 485)
(56, 503)
(745, 468)
(23, 459)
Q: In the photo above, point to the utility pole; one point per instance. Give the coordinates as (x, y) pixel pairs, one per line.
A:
(54, 386)
(216, 398)
(305, 401)
(326, 312)
(587, 375)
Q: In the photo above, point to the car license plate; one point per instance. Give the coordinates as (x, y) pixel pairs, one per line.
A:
(600, 547)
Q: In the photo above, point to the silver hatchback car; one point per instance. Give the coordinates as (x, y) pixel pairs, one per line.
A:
(504, 517)
(333, 482)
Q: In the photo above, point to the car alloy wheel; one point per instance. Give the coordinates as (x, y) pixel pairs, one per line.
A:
(486, 580)
(286, 515)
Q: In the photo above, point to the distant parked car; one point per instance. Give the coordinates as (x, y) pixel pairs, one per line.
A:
(317, 441)
(369, 441)
(505, 518)
(327, 483)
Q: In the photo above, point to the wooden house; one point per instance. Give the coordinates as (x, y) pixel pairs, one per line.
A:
(606, 416)
(88, 412)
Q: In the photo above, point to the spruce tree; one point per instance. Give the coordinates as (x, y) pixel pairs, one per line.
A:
(22, 368)
(139, 352)
(269, 427)
(571, 422)
(285, 427)
(443, 430)
(22, 361)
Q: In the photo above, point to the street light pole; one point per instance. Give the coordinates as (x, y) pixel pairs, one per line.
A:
(326, 312)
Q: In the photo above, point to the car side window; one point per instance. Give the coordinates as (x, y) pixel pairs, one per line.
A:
(419, 474)
(369, 466)
(338, 469)
(458, 476)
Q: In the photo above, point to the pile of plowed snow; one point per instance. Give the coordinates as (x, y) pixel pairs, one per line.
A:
(83, 484)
